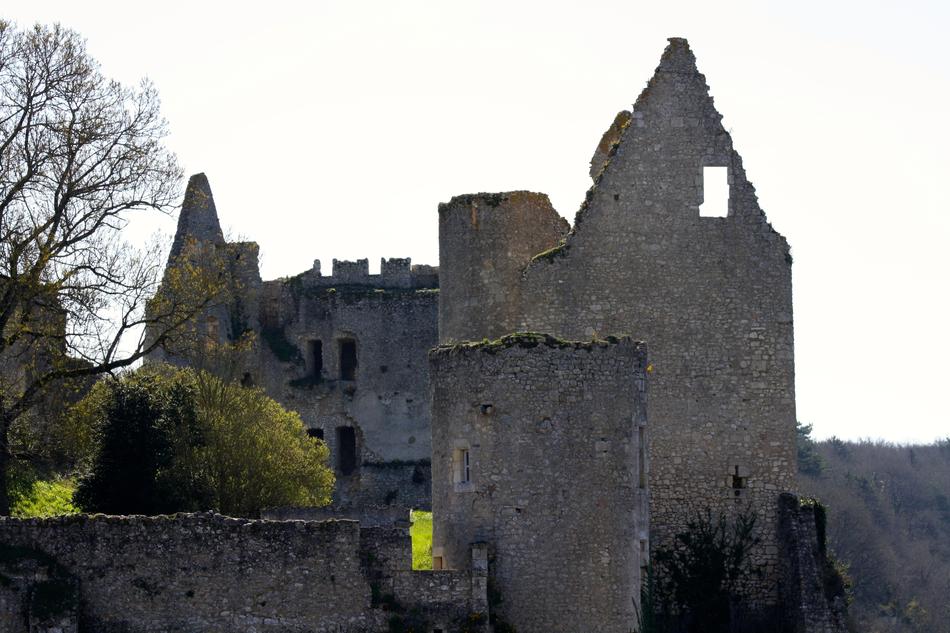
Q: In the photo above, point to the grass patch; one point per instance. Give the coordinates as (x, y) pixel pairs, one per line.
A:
(421, 533)
(45, 499)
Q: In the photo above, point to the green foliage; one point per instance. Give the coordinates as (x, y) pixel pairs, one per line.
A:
(699, 575)
(258, 454)
(46, 499)
(148, 432)
(173, 440)
(809, 461)
(888, 533)
(421, 533)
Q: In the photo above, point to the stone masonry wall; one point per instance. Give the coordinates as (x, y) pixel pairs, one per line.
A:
(710, 295)
(385, 402)
(484, 242)
(552, 431)
(298, 327)
(807, 577)
(206, 573)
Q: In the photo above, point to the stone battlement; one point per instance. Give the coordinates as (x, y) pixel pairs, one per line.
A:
(395, 272)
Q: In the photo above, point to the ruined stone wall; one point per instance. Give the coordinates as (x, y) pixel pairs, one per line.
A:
(552, 431)
(811, 591)
(286, 336)
(206, 573)
(710, 295)
(386, 399)
(484, 242)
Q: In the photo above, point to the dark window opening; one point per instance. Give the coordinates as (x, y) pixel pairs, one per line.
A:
(346, 449)
(347, 359)
(247, 380)
(317, 433)
(315, 351)
(737, 481)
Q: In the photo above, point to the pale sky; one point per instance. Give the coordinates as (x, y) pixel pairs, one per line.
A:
(334, 129)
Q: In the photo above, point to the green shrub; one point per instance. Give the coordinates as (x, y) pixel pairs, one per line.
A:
(176, 440)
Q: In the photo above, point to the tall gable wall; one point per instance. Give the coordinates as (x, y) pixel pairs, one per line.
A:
(711, 296)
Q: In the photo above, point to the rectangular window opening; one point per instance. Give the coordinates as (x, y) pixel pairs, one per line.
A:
(315, 351)
(738, 481)
(715, 193)
(347, 359)
(317, 433)
(463, 466)
(346, 449)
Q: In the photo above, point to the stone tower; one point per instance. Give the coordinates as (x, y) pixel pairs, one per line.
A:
(539, 452)
(711, 296)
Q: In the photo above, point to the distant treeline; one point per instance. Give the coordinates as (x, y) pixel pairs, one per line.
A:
(889, 522)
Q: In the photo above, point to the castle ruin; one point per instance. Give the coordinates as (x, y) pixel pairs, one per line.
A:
(506, 389)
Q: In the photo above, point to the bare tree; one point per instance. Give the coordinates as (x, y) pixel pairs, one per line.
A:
(79, 154)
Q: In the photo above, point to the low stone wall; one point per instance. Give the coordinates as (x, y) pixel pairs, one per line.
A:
(438, 591)
(208, 573)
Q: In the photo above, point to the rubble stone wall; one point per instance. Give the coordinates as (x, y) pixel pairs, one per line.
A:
(549, 434)
(711, 296)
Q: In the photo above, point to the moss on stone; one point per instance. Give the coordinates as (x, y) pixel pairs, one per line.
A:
(558, 251)
(528, 340)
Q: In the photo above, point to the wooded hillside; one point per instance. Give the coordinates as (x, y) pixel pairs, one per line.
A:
(889, 521)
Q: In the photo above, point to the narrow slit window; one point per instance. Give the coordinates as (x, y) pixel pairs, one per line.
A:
(463, 466)
(642, 455)
(346, 449)
(715, 192)
(738, 481)
(347, 359)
